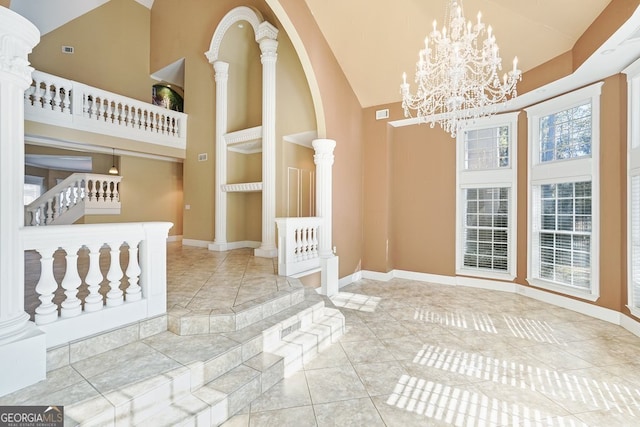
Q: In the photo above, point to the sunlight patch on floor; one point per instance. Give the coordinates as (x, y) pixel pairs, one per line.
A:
(355, 301)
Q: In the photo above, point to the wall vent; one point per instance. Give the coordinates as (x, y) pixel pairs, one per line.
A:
(67, 49)
(202, 157)
(382, 114)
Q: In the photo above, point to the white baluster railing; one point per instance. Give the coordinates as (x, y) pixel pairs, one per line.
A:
(298, 245)
(86, 192)
(128, 296)
(61, 102)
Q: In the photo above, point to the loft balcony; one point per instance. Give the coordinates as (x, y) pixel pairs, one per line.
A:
(88, 112)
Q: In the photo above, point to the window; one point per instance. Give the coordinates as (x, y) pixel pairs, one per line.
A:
(563, 193)
(486, 203)
(633, 189)
(33, 186)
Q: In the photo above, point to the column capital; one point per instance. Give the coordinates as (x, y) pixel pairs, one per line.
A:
(269, 48)
(323, 151)
(221, 69)
(18, 36)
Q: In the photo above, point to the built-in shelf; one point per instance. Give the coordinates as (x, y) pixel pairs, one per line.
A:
(245, 187)
(245, 141)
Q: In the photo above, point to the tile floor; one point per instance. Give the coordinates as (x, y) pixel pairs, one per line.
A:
(418, 354)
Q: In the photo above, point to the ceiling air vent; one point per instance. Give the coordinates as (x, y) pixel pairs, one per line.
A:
(67, 49)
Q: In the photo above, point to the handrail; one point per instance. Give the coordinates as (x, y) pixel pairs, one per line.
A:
(61, 102)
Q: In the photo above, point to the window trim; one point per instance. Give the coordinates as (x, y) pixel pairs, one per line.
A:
(488, 178)
(570, 170)
(633, 170)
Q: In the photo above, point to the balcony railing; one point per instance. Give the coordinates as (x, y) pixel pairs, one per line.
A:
(298, 245)
(67, 103)
(78, 195)
(94, 296)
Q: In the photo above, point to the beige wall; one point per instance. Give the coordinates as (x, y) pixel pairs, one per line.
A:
(343, 118)
(294, 112)
(111, 49)
(409, 180)
(150, 190)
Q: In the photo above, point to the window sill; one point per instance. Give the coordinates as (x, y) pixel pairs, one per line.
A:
(468, 272)
(566, 290)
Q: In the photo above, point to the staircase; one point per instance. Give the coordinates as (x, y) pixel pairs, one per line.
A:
(77, 195)
(146, 375)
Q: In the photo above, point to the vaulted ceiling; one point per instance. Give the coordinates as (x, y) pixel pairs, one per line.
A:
(376, 40)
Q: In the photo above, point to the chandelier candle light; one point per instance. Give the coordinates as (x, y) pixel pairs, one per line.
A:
(457, 74)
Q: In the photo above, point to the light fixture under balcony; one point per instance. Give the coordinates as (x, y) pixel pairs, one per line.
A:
(457, 74)
(114, 170)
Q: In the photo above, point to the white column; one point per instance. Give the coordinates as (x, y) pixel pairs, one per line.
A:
(22, 345)
(268, 47)
(222, 79)
(323, 158)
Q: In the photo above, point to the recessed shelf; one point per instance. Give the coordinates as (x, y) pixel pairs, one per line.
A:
(245, 141)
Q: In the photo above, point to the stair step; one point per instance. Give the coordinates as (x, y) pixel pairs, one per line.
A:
(271, 366)
(301, 346)
(182, 321)
(241, 385)
(179, 380)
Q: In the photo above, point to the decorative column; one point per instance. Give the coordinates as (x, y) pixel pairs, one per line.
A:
(323, 159)
(22, 344)
(266, 36)
(222, 78)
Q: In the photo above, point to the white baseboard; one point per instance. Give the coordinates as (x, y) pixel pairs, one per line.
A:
(196, 243)
(176, 238)
(349, 279)
(602, 313)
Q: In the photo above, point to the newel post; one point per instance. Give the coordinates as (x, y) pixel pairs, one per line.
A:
(323, 159)
(22, 344)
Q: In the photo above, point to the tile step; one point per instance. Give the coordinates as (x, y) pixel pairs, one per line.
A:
(182, 321)
(200, 385)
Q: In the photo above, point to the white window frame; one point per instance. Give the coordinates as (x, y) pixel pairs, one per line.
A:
(633, 170)
(586, 168)
(488, 178)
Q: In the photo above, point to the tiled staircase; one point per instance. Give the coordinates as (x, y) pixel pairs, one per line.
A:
(178, 377)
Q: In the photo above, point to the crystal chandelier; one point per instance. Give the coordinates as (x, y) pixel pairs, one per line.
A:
(457, 74)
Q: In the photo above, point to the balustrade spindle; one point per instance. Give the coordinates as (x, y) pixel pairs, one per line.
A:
(46, 96)
(127, 115)
(50, 217)
(55, 206)
(113, 111)
(94, 301)
(71, 306)
(115, 295)
(296, 243)
(65, 94)
(314, 252)
(98, 107)
(116, 191)
(29, 94)
(56, 102)
(305, 243)
(91, 195)
(47, 311)
(137, 121)
(134, 291)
